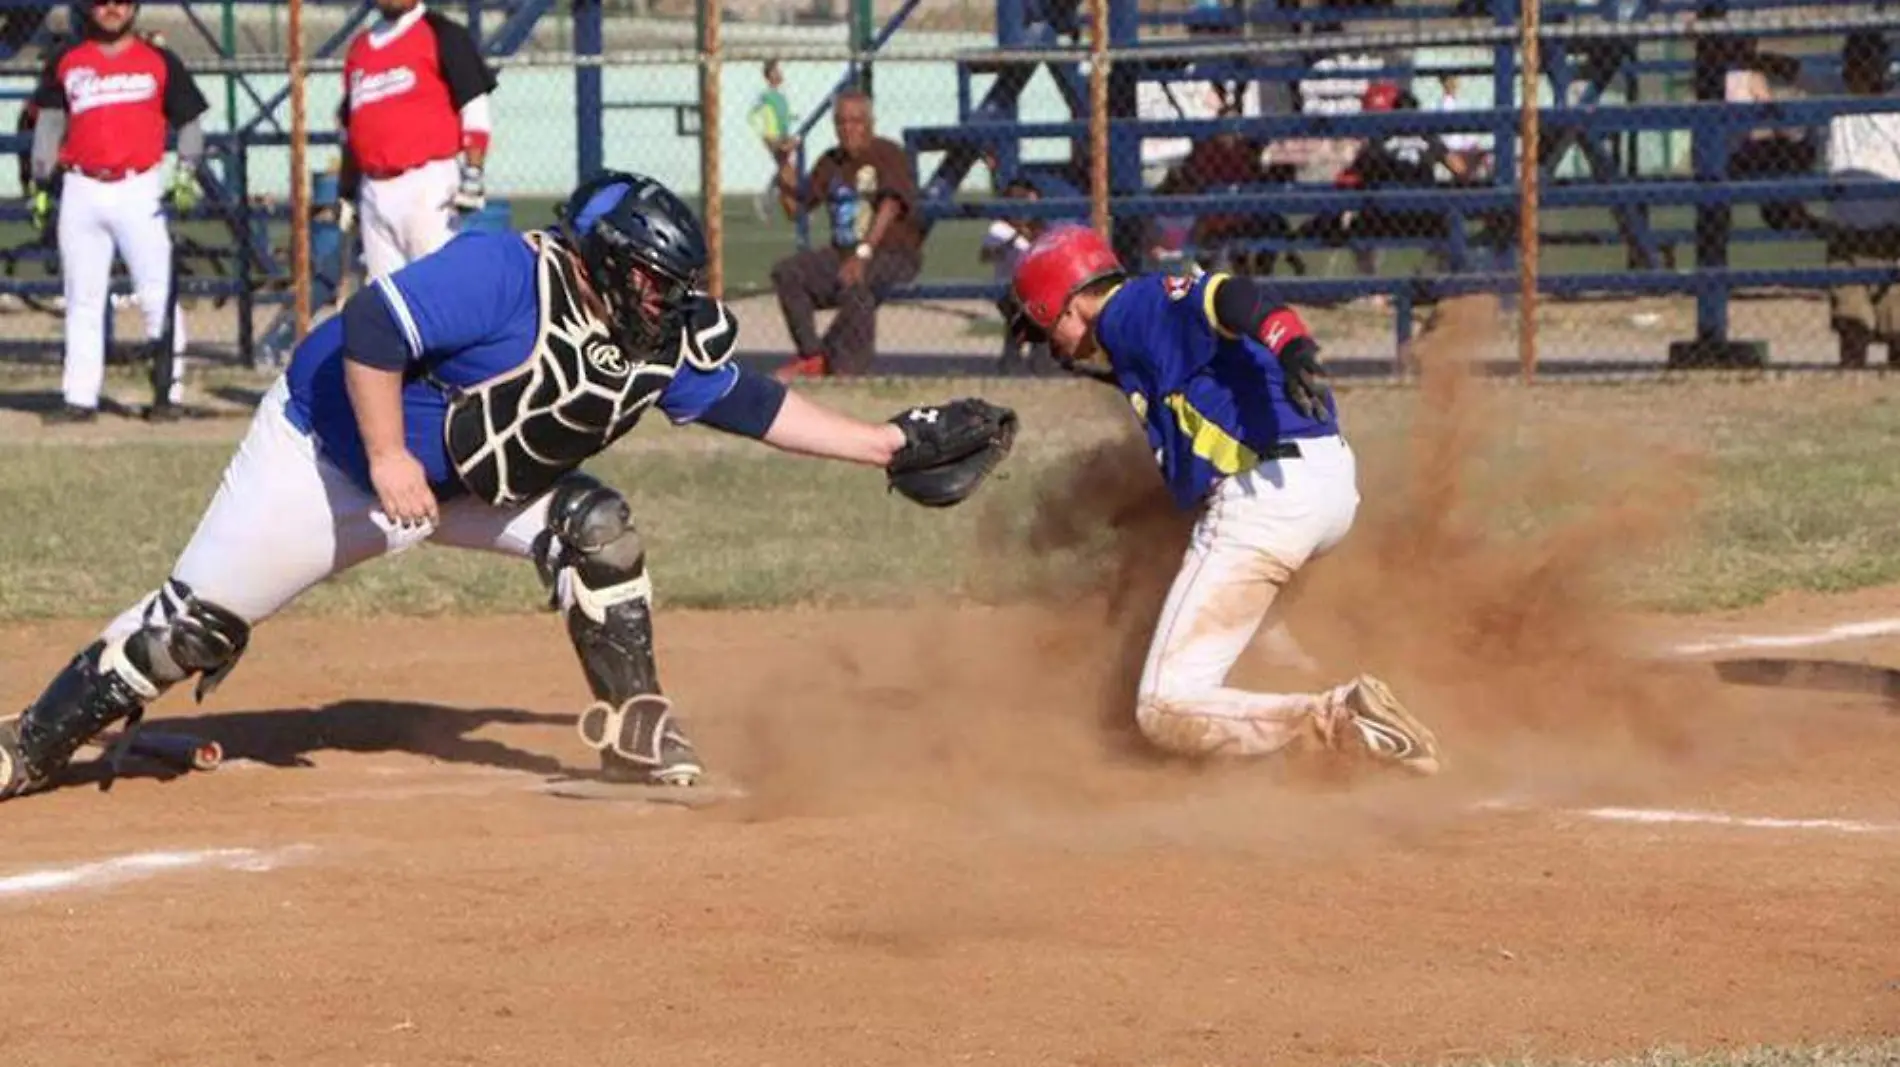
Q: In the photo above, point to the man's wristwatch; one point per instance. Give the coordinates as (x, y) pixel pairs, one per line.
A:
(863, 251)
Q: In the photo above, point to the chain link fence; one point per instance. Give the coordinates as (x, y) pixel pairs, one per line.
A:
(1375, 169)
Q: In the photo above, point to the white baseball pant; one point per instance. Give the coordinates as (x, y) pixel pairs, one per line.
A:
(1256, 530)
(94, 217)
(284, 518)
(408, 216)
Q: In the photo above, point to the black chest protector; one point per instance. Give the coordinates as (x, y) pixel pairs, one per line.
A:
(513, 436)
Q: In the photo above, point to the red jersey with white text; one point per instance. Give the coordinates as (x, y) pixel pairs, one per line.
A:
(404, 86)
(117, 104)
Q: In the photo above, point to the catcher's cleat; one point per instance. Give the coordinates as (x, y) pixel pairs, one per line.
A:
(13, 778)
(1390, 733)
(640, 742)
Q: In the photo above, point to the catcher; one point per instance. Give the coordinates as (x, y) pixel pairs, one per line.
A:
(455, 400)
(1227, 383)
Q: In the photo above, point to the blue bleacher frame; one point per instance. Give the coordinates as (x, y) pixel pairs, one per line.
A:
(1596, 130)
(248, 270)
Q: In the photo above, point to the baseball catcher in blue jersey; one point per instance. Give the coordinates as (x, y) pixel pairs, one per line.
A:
(455, 400)
(1226, 382)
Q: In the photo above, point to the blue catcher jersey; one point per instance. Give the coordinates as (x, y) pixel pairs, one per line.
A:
(1212, 402)
(468, 313)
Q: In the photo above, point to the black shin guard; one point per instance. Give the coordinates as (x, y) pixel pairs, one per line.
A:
(592, 559)
(89, 695)
(113, 680)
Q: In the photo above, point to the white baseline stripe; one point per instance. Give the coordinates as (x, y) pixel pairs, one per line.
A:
(1666, 816)
(140, 865)
(1844, 632)
(1716, 818)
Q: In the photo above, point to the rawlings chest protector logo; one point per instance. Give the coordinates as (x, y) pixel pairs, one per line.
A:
(606, 357)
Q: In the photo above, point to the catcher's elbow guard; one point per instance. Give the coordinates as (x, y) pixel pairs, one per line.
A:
(949, 450)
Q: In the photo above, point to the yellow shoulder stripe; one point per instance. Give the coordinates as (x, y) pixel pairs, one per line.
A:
(1214, 282)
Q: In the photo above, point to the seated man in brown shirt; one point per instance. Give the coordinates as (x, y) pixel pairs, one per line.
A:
(867, 187)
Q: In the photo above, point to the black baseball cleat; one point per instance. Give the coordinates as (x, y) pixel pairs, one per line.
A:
(68, 414)
(165, 411)
(640, 742)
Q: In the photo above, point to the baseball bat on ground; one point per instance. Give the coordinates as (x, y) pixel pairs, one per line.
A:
(181, 751)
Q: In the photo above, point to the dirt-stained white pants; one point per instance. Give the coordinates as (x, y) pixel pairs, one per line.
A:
(284, 518)
(1256, 530)
(408, 216)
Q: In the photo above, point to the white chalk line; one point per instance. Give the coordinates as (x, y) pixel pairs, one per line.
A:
(1674, 817)
(1848, 631)
(138, 866)
(1716, 818)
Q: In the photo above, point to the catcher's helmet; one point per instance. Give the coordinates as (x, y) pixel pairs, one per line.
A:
(643, 249)
(1061, 263)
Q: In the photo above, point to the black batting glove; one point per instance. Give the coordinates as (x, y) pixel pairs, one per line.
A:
(1306, 386)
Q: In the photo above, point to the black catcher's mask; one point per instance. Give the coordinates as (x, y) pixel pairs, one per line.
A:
(644, 252)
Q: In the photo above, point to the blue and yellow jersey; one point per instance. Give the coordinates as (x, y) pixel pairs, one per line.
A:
(1213, 401)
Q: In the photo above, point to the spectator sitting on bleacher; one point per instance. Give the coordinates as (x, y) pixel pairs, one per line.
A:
(1224, 163)
(1865, 233)
(1468, 155)
(1405, 160)
(1767, 152)
(1003, 247)
(876, 244)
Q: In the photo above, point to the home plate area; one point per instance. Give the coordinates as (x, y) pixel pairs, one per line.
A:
(895, 867)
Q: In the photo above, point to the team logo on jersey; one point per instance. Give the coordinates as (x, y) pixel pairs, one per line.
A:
(86, 89)
(366, 89)
(1177, 286)
(606, 357)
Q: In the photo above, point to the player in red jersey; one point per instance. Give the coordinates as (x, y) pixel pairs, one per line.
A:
(104, 106)
(415, 122)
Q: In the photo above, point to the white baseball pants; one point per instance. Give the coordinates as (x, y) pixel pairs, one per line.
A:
(1256, 531)
(408, 216)
(284, 519)
(94, 217)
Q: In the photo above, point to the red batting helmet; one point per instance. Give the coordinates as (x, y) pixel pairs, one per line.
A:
(1061, 263)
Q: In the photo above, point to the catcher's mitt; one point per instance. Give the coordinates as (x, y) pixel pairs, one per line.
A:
(949, 449)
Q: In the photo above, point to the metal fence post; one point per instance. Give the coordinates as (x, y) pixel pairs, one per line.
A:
(1527, 192)
(711, 180)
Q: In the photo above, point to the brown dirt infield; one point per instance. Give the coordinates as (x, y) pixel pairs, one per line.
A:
(944, 858)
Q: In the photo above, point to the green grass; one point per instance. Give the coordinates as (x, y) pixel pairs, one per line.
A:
(1795, 490)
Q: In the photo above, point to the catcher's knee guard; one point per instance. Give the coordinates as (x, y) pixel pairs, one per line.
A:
(592, 559)
(114, 679)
